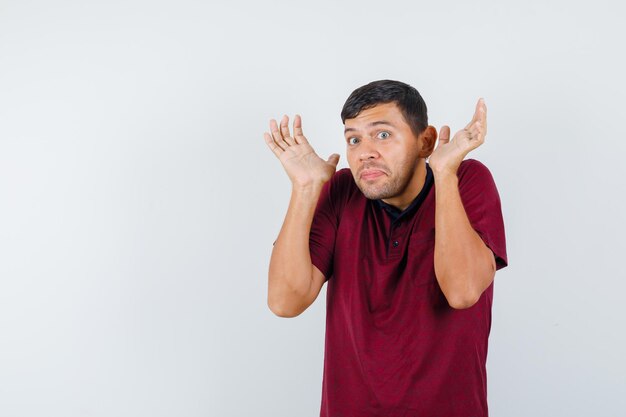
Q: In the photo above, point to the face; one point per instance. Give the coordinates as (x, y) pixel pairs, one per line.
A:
(383, 152)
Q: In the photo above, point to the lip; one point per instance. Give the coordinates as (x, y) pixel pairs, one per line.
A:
(369, 174)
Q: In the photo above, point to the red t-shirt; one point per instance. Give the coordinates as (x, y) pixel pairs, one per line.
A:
(394, 347)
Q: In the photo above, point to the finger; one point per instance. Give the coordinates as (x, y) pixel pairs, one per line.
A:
(483, 119)
(477, 113)
(479, 126)
(444, 135)
(333, 159)
(297, 130)
(278, 138)
(476, 132)
(284, 130)
(481, 130)
(272, 145)
(481, 112)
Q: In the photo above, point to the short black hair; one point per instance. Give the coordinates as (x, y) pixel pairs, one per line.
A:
(407, 98)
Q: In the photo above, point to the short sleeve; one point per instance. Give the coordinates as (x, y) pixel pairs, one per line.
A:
(482, 204)
(324, 229)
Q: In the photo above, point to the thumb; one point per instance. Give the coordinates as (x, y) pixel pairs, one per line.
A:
(333, 159)
(444, 135)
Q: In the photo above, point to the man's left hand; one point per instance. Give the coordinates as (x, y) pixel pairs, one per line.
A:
(448, 155)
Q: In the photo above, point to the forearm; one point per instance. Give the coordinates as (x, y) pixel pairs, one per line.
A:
(464, 266)
(290, 271)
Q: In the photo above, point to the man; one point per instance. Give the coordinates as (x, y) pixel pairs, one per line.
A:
(409, 249)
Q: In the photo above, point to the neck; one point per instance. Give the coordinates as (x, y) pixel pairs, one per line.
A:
(413, 188)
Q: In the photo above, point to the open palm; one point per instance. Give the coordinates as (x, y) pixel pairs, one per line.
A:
(303, 166)
(449, 154)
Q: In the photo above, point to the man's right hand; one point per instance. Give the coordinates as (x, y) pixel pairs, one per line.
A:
(304, 167)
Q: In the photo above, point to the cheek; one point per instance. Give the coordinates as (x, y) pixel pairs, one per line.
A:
(353, 163)
(398, 158)
(402, 165)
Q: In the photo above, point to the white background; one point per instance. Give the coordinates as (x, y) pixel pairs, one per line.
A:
(139, 202)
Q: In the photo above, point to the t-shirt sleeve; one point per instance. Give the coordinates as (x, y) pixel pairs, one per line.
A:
(324, 230)
(482, 204)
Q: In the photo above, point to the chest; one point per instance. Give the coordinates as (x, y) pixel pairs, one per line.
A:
(382, 257)
(365, 230)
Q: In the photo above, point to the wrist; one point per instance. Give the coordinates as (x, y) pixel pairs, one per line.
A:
(306, 189)
(445, 176)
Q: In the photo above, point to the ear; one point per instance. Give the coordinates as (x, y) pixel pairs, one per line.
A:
(426, 141)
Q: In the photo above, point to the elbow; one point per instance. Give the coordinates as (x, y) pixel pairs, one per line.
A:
(462, 300)
(283, 306)
(286, 301)
(283, 312)
(465, 291)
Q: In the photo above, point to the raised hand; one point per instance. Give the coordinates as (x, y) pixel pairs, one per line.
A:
(304, 167)
(448, 155)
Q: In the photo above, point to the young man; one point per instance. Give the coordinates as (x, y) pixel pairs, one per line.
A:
(409, 249)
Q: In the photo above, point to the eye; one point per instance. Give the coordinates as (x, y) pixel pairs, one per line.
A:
(352, 141)
(384, 135)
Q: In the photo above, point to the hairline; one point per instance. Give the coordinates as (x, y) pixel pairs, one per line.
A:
(397, 104)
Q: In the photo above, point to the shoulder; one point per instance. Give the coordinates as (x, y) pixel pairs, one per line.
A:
(341, 188)
(475, 179)
(344, 174)
(473, 169)
(472, 165)
(341, 181)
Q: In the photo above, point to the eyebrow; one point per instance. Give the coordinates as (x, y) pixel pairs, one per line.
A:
(378, 122)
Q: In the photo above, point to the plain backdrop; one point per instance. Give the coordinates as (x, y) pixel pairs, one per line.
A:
(139, 202)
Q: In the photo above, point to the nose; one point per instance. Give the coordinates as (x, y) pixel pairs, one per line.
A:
(367, 151)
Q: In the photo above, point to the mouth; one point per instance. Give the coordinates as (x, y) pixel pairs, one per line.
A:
(370, 174)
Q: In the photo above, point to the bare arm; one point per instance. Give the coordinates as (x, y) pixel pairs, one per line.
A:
(464, 265)
(293, 281)
(292, 285)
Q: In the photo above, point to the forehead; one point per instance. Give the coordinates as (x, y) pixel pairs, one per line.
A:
(389, 112)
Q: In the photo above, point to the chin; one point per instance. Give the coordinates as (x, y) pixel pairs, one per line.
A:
(376, 193)
(390, 187)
